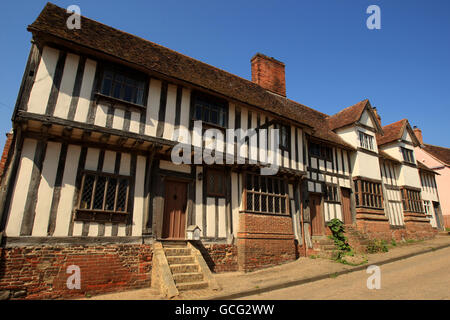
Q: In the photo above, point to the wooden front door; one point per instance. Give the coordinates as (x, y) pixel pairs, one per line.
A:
(317, 223)
(346, 209)
(174, 220)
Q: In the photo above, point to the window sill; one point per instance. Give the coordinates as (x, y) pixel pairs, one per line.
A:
(117, 101)
(371, 152)
(100, 216)
(265, 213)
(209, 125)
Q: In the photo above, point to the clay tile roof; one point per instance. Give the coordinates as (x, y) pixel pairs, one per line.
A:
(422, 166)
(392, 132)
(347, 116)
(440, 153)
(156, 58)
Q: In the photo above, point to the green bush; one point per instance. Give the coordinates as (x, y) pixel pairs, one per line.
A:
(337, 234)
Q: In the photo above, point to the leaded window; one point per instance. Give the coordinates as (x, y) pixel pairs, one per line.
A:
(412, 200)
(368, 194)
(106, 193)
(265, 194)
(215, 183)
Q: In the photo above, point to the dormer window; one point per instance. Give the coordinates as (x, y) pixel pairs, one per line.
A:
(366, 141)
(408, 155)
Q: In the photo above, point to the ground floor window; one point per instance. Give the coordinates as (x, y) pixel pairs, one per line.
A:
(106, 193)
(215, 183)
(412, 201)
(265, 194)
(331, 193)
(427, 207)
(368, 194)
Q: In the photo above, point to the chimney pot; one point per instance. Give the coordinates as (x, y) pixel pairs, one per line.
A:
(269, 73)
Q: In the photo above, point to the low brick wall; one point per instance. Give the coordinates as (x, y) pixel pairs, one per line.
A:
(220, 257)
(265, 241)
(373, 224)
(446, 221)
(39, 272)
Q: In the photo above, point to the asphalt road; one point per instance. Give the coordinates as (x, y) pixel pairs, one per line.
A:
(425, 276)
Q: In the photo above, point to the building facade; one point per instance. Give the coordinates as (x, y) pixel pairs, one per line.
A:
(438, 159)
(89, 178)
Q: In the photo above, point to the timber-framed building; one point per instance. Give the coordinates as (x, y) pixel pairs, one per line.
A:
(89, 179)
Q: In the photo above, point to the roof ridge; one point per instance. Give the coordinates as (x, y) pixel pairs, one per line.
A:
(433, 145)
(346, 108)
(161, 46)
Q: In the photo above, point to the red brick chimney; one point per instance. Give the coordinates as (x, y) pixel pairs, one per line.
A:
(269, 74)
(418, 134)
(377, 115)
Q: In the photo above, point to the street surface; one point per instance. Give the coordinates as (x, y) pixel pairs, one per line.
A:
(425, 276)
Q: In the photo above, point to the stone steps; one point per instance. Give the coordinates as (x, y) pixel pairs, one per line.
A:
(186, 272)
(187, 277)
(180, 259)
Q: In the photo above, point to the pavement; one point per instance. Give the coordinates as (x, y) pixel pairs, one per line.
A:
(236, 285)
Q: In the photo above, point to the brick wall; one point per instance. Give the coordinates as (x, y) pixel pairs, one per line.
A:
(6, 148)
(220, 257)
(40, 271)
(264, 241)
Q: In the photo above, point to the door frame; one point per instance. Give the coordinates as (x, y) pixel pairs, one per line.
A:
(350, 204)
(322, 216)
(186, 210)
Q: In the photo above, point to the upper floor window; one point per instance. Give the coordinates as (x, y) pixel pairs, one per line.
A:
(408, 155)
(124, 87)
(284, 137)
(412, 201)
(365, 141)
(210, 110)
(331, 193)
(319, 151)
(368, 194)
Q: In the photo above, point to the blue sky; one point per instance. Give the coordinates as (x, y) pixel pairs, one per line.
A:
(332, 59)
